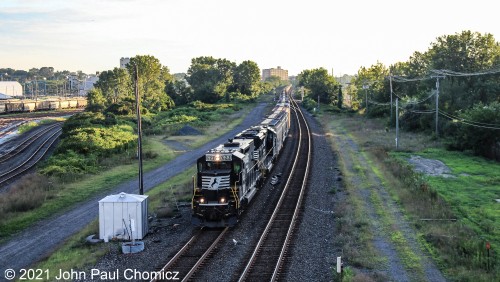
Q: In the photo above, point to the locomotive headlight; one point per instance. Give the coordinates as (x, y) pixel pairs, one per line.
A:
(217, 157)
(222, 200)
(201, 200)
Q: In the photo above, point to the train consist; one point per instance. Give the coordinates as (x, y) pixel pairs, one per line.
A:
(228, 176)
(16, 106)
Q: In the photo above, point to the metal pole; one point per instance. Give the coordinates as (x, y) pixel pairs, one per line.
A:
(437, 106)
(397, 123)
(139, 130)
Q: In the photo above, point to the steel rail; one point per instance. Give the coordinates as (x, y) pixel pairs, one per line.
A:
(26, 142)
(271, 222)
(185, 249)
(18, 169)
(297, 208)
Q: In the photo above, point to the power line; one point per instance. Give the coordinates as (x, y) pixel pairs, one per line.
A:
(468, 123)
(378, 103)
(421, 101)
(455, 73)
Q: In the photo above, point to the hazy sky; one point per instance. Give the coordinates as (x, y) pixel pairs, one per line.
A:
(92, 35)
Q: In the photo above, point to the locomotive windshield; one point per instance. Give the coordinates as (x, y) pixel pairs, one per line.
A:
(204, 166)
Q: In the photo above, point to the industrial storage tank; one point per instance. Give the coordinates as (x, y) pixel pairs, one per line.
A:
(123, 216)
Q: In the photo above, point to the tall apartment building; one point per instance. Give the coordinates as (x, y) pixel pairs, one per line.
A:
(124, 62)
(279, 72)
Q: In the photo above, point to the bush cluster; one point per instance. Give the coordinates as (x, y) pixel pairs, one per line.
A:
(87, 138)
(196, 114)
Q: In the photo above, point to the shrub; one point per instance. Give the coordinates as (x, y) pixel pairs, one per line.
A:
(474, 130)
(28, 193)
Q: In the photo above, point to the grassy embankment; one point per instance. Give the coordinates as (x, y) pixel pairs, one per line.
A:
(53, 197)
(32, 124)
(453, 217)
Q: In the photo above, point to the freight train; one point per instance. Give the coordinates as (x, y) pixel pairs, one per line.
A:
(229, 175)
(16, 106)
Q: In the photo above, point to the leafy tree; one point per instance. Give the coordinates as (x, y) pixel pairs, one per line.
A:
(319, 83)
(210, 78)
(152, 79)
(116, 86)
(275, 81)
(47, 72)
(475, 130)
(95, 100)
(246, 78)
(180, 92)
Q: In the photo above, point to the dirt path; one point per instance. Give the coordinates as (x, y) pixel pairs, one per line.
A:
(400, 256)
(41, 239)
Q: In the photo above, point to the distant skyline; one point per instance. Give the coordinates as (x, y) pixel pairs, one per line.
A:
(93, 35)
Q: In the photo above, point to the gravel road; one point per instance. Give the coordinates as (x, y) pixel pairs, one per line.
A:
(41, 239)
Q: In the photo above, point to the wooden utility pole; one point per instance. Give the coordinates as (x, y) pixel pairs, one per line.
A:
(139, 130)
(437, 102)
(397, 123)
(390, 84)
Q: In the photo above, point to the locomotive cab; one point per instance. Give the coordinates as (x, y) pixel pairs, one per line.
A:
(215, 200)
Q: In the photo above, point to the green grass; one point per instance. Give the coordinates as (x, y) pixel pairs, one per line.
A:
(74, 254)
(473, 190)
(32, 124)
(458, 247)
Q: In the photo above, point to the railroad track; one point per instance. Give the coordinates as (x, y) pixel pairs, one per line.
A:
(50, 135)
(23, 145)
(266, 261)
(185, 263)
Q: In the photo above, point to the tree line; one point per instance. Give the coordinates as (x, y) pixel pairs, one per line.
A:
(468, 67)
(208, 80)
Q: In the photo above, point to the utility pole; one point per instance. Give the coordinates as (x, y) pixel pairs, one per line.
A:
(36, 92)
(437, 102)
(397, 123)
(139, 130)
(390, 84)
(318, 102)
(365, 87)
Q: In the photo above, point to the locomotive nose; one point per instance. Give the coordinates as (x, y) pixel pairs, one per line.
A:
(213, 215)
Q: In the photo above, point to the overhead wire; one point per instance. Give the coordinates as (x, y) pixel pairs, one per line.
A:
(469, 121)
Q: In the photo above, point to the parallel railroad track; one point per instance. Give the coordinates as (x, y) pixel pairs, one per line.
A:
(185, 263)
(44, 140)
(266, 261)
(30, 139)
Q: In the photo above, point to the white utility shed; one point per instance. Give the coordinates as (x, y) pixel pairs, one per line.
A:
(121, 213)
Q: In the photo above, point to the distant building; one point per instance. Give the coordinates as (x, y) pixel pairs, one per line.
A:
(124, 62)
(279, 72)
(87, 84)
(11, 88)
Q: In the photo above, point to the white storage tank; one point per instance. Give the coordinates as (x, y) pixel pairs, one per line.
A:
(123, 216)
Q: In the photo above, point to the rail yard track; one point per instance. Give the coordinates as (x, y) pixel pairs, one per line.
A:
(29, 150)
